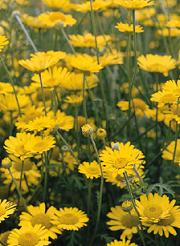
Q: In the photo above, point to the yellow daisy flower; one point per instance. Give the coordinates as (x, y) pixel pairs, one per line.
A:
(58, 4)
(121, 243)
(156, 63)
(39, 215)
(159, 214)
(3, 42)
(84, 62)
(5, 88)
(71, 219)
(29, 235)
(6, 209)
(90, 169)
(122, 158)
(122, 220)
(40, 61)
(168, 153)
(135, 4)
(125, 27)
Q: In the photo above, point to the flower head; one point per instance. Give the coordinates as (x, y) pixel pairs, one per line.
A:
(29, 235)
(90, 169)
(6, 209)
(158, 214)
(156, 63)
(135, 4)
(3, 42)
(40, 61)
(124, 27)
(71, 219)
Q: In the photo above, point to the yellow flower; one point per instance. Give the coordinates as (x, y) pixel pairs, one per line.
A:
(168, 94)
(53, 19)
(121, 243)
(159, 214)
(121, 220)
(111, 57)
(75, 83)
(8, 102)
(53, 77)
(97, 5)
(88, 40)
(168, 153)
(122, 158)
(156, 63)
(40, 61)
(90, 169)
(59, 4)
(166, 32)
(6, 209)
(135, 4)
(84, 62)
(87, 130)
(124, 27)
(74, 99)
(29, 235)
(5, 88)
(30, 176)
(71, 219)
(101, 133)
(39, 215)
(4, 237)
(25, 145)
(3, 42)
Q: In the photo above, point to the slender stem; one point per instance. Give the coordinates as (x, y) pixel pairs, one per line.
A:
(17, 189)
(21, 175)
(134, 206)
(45, 175)
(67, 39)
(100, 190)
(17, 17)
(84, 96)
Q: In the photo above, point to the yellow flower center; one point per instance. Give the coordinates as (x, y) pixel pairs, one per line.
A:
(68, 219)
(120, 162)
(130, 220)
(42, 219)
(2, 210)
(26, 167)
(153, 211)
(28, 239)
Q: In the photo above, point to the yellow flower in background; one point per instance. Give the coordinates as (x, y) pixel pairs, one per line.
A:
(39, 215)
(58, 4)
(55, 19)
(6, 209)
(84, 63)
(111, 57)
(166, 32)
(159, 214)
(29, 235)
(5, 88)
(90, 169)
(121, 243)
(125, 27)
(71, 219)
(8, 102)
(171, 153)
(88, 40)
(97, 5)
(75, 82)
(128, 222)
(40, 61)
(53, 77)
(156, 63)
(87, 130)
(74, 99)
(122, 158)
(25, 145)
(135, 4)
(3, 42)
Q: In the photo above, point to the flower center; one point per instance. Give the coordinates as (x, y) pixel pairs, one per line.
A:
(28, 239)
(153, 211)
(130, 220)
(42, 219)
(68, 219)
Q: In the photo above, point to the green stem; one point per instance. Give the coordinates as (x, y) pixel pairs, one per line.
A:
(67, 40)
(134, 206)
